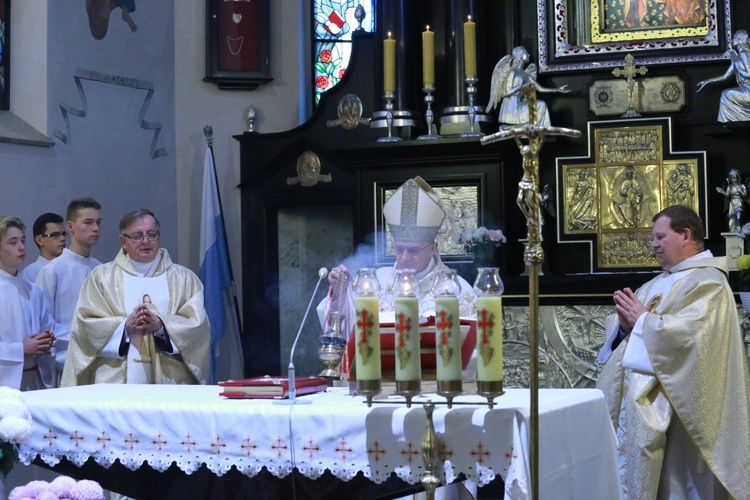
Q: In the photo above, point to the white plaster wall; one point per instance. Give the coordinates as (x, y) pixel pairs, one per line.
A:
(28, 57)
(281, 105)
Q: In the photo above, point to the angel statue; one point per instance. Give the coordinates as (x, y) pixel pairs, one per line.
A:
(734, 105)
(511, 73)
(735, 194)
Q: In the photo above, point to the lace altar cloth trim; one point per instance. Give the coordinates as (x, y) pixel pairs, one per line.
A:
(192, 426)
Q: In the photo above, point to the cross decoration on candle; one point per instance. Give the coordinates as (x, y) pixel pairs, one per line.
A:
(364, 324)
(403, 328)
(486, 325)
(445, 327)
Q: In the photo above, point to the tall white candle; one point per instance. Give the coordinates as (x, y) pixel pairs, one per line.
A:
(489, 338)
(447, 338)
(408, 359)
(367, 338)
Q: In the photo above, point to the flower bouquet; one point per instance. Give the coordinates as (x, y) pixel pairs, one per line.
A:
(15, 427)
(481, 242)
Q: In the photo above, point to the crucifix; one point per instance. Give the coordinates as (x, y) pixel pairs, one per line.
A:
(530, 139)
(629, 71)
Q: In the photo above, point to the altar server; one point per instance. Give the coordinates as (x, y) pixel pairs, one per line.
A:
(63, 277)
(139, 319)
(676, 377)
(49, 236)
(26, 325)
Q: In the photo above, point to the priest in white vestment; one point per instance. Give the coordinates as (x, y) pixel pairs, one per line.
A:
(50, 238)
(139, 319)
(414, 214)
(676, 377)
(25, 322)
(63, 277)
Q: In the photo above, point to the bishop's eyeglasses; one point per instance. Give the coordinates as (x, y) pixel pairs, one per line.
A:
(139, 237)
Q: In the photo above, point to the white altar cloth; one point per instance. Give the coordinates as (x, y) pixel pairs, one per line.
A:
(192, 426)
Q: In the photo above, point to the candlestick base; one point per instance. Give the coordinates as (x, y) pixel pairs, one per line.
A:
(389, 119)
(449, 389)
(408, 389)
(471, 90)
(490, 390)
(369, 389)
(429, 115)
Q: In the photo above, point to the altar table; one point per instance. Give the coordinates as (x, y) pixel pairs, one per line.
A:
(192, 426)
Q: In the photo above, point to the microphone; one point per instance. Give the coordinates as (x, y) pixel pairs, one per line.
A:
(322, 273)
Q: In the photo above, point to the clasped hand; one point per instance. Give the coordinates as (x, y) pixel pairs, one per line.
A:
(628, 308)
(142, 320)
(39, 343)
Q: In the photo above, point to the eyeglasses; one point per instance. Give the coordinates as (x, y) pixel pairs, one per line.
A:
(138, 237)
(56, 234)
(412, 252)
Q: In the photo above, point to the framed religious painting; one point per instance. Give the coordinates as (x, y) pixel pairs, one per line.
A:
(590, 34)
(4, 55)
(238, 43)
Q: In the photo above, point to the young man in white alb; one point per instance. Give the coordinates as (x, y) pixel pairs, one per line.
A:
(63, 277)
(50, 237)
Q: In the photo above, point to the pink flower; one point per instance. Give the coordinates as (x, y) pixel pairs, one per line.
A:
(326, 56)
(86, 490)
(321, 82)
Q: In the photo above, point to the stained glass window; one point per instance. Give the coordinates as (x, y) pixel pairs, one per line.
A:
(334, 21)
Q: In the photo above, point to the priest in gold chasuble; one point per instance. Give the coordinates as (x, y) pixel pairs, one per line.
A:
(139, 319)
(676, 378)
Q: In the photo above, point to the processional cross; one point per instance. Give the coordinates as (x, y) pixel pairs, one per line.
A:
(530, 139)
(629, 71)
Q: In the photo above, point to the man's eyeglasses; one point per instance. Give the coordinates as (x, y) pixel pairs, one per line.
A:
(412, 252)
(56, 234)
(138, 237)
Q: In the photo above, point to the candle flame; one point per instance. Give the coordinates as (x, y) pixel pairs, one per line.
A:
(389, 34)
(428, 27)
(469, 17)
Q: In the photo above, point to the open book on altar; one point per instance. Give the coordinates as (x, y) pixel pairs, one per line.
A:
(268, 387)
(426, 340)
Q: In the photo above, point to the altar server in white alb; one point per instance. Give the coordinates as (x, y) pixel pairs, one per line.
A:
(25, 322)
(50, 237)
(63, 277)
(676, 377)
(139, 319)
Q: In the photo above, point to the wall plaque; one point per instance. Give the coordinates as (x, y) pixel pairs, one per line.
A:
(661, 94)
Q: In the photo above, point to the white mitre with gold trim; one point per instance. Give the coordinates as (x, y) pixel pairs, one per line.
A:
(414, 212)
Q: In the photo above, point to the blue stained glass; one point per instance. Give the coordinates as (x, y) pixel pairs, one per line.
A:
(333, 25)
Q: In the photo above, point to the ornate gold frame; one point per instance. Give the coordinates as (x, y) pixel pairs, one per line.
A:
(630, 174)
(571, 38)
(601, 33)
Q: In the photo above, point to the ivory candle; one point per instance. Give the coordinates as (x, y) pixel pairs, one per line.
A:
(389, 65)
(470, 49)
(428, 58)
(367, 332)
(489, 338)
(408, 355)
(447, 338)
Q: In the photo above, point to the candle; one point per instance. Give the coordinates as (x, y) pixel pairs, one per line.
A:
(389, 65)
(489, 338)
(367, 331)
(428, 58)
(447, 338)
(470, 49)
(408, 356)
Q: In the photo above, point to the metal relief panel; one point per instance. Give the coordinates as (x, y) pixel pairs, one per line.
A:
(680, 185)
(630, 196)
(569, 341)
(581, 209)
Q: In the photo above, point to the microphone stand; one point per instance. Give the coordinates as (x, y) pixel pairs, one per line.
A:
(322, 273)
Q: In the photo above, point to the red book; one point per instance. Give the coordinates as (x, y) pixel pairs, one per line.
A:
(268, 387)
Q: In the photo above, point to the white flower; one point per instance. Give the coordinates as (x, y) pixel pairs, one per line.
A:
(15, 430)
(11, 407)
(7, 392)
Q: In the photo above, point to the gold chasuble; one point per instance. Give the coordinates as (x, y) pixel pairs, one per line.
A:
(700, 377)
(101, 311)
